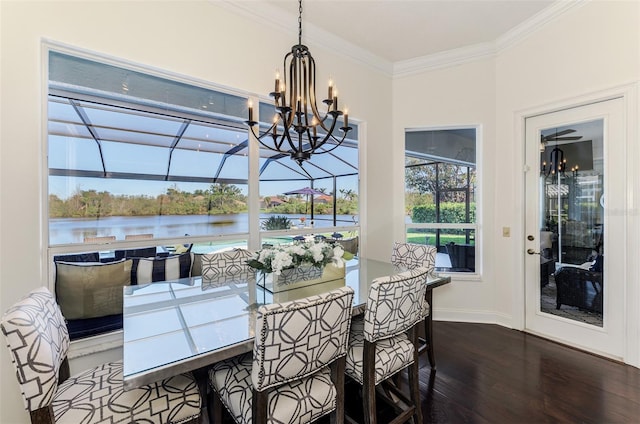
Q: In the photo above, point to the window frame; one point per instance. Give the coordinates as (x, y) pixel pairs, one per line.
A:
(476, 226)
(110, 340)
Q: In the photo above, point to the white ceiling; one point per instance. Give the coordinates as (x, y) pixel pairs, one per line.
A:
(390, 34)
(397, 30)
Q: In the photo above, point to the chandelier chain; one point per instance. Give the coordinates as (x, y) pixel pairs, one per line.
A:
(299, 21)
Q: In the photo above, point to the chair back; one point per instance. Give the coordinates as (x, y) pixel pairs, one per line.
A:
(413, 255)
(395, 304)
(297, 338)
(37, 337)
(228, 266)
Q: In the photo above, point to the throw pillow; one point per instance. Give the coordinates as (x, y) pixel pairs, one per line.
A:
(148, 270)
(90, 290)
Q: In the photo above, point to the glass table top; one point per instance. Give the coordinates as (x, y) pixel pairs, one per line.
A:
(181, 325)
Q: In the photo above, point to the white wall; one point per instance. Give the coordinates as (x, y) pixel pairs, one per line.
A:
(197, 39)
(461, 95)
(591, 48)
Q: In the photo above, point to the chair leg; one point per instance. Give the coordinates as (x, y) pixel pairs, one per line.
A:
(369, 383)
(413, 370)
(214, 407)
(337, 376)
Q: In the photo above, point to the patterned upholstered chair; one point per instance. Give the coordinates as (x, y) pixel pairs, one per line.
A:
(38, 341)
(296, 373)
(384, 341)
(223, 268)
(413, 255)
(409, 256)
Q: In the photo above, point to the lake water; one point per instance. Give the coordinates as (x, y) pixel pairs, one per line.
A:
(74, 230)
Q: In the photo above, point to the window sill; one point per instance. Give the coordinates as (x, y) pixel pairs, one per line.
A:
(95, 344)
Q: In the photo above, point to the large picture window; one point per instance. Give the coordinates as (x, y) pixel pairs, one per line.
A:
(440, 195)
(149, 172)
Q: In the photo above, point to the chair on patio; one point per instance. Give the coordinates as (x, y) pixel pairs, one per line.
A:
(384, 341)
(38, 342)
(296, 372)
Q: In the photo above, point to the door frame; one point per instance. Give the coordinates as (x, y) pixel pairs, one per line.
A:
(631, 105)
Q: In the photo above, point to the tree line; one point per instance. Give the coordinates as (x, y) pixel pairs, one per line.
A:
(219, 198)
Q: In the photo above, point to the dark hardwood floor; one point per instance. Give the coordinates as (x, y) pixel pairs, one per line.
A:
(491, 374)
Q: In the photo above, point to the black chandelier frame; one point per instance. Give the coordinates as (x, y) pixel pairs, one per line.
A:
(299, 116)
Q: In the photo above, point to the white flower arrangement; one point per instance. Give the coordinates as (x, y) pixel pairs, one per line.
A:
(311, 253)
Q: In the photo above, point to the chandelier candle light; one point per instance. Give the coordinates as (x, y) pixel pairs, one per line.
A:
(296, 110)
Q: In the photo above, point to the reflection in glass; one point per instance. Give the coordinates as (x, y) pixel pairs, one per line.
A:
(572, 222)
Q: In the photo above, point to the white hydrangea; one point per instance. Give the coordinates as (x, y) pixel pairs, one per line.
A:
(316, 252)
(280, 261)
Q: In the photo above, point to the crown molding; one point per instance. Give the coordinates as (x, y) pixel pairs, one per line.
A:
(536, 22)
(443, 59)
(274, 17)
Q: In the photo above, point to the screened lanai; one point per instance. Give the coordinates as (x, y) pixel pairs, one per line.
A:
(144, 143)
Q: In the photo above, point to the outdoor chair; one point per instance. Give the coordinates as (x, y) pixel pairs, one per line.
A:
(349, 244)
(384, 341)
(38, 342)
(296, 372)
(101, 239)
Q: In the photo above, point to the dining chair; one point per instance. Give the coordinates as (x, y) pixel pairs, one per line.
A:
(296, 371)
(384, 341)
(38, 341)
(413, 255)
(222, 268)
(406, 256)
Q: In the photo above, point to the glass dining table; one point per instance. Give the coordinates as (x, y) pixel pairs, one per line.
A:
(184, 325)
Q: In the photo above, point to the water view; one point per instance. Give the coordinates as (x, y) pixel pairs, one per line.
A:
(74, 230)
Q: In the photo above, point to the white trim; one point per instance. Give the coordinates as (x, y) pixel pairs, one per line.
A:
(95, 344)
(138, 67)
(273, 17)
(443, 59)
(629, 94)
(476, 226)
(535, 23)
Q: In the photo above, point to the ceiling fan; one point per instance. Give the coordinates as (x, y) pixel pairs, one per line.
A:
(557, 136)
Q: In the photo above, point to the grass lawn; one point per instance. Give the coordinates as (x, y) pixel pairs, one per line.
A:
(420, 238)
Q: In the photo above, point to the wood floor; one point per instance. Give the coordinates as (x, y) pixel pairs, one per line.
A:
(490, 374)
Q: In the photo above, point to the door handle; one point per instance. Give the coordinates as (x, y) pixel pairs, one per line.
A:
(532, 252)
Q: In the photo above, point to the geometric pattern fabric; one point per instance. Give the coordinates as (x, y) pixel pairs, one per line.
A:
(299, 401)
(412, 255)
(37, 338)
(226, 267)
(392, 354)
(295, 342)
(394, 305)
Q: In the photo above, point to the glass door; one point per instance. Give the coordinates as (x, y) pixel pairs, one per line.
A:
(572, 294)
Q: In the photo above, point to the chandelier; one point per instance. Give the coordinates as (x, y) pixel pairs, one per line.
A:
(557, 164)
(298, 129)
